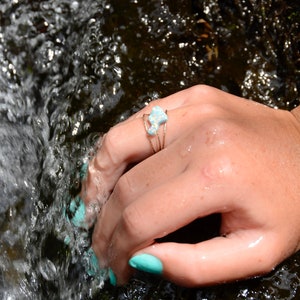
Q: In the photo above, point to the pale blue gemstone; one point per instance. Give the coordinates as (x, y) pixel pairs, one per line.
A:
(156, 118)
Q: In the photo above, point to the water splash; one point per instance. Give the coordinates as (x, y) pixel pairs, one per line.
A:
(71, 69)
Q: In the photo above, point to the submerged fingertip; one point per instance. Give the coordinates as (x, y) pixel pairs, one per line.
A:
(78, 218)
(83, 171)
(78, 211)
(112, 277)
(93, 267)
(67, 240)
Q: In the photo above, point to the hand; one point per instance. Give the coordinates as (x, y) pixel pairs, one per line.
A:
(223, 154)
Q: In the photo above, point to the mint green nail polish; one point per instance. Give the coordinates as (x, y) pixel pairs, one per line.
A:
(112, 277)
(73, 206)
(83, 171)
(93, 264)
(78, 208)
(67, 240)
(147, 263)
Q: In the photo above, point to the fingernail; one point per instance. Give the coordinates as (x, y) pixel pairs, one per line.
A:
(83, 171)
(147, 263)
(67, 240)
(112, 277)
(92, 267)
(78, 208)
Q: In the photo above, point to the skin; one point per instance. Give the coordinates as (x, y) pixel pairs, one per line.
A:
(223, 154)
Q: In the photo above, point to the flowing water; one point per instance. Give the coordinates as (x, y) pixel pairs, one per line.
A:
(71, 69)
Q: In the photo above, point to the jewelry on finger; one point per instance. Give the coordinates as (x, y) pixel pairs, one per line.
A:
(156, 118)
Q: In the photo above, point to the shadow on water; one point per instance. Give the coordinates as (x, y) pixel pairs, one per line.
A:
(70, 70)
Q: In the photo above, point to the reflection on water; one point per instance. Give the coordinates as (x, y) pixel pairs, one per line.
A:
(71, 69)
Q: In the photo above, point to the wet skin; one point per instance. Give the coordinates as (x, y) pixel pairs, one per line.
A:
(223, 154)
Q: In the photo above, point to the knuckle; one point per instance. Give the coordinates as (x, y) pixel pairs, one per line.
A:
(98, 245)
(217, 169)
(200, 92)
(192, 277)
(221, 126)
(220, 132)
(267, 266)
(131, 222)
(111, 143)
(124, 189)
(109, 156)
(211, 111)
(266, 262)
(203, 89)
(215, 132)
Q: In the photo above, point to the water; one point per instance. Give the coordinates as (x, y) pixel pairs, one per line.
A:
(70, 70)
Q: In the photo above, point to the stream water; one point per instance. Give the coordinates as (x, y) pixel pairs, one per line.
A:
(71, 69)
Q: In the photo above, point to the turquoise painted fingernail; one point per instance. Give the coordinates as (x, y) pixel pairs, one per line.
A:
(92, 267)
(112, 277)
(73, 206)
(83, 171)
(78, 208)
(147, 263)
(67, 240)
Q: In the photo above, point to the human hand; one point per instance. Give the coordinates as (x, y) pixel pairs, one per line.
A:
(223, 154)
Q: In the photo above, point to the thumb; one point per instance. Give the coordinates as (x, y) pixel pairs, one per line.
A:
(218, 260)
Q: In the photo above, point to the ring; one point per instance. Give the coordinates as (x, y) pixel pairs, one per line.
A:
(156, 118)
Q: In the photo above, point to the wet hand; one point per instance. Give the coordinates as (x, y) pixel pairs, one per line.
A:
(222, 154)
